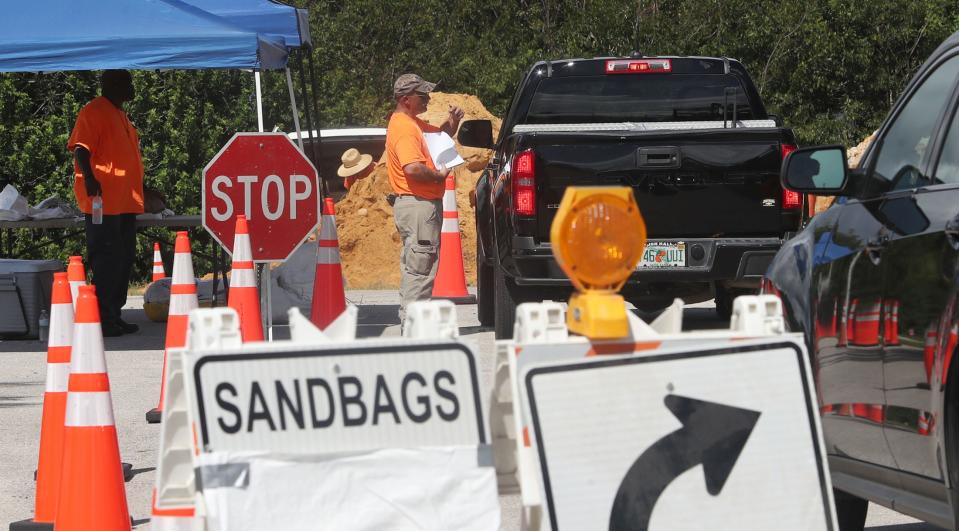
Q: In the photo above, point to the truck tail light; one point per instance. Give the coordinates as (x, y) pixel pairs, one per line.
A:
(791, 200)
(639, 66)
(524, 183)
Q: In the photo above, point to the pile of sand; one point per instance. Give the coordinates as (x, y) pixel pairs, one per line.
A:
(853, 155)
(369, 243)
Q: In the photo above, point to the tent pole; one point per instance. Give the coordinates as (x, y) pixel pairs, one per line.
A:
(296, 115)
(259, 101)
(310, 127)
(316, 109)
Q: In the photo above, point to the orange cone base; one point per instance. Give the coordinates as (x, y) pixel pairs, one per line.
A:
(468, 299)
(246, 302)
(51, 456)
(94, 462)
(30, 525)
(153, 416)
(329, 300)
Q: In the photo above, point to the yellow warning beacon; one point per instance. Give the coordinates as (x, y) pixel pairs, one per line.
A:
(598, 237)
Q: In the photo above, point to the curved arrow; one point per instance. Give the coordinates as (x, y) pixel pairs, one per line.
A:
(712, 435)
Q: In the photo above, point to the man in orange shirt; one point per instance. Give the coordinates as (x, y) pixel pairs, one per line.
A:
(418, 185)
(107, 163)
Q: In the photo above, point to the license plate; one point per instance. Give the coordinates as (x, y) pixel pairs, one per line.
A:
(659, 255)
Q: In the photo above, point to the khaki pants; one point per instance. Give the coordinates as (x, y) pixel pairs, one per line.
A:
(418, 221)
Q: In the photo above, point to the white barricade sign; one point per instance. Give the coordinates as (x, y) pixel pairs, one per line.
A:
(327, 432)
(338, 398)
(634, 442)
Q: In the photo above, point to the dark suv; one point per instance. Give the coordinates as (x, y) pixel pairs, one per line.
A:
(872, 283)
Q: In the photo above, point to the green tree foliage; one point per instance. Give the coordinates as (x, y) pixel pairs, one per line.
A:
(830, 68)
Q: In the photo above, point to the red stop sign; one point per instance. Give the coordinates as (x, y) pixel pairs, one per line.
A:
(264, 177)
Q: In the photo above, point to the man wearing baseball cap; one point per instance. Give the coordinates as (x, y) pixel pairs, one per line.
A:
(418, 185)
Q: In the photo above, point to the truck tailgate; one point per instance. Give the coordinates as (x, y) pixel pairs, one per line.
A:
(687, 184)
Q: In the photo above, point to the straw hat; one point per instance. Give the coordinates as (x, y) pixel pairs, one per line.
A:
(353, 162)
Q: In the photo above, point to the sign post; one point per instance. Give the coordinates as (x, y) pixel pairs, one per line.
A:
(266, 178)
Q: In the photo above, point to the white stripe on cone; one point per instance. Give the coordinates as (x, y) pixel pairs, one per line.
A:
(61, 325)
(58, 376)
(182, 303)
(89, 409)
(449, 201)
(327, 255)
(87, 355)
(75, 291)
(242, 252)
(328, 228)
(242, 278)
(182, 269)
(450, 225)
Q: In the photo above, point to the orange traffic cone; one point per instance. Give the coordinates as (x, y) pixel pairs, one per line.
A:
(450, 283)
(182, 300)
(54, 407)
(92, 494)
(158, 272)
(329, 299)
(243, 296)
(77, 277)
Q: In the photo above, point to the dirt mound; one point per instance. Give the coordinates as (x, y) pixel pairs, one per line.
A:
(853, 155)
(369, 243)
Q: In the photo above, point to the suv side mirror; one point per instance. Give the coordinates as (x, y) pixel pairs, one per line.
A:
(476, 133)
(816, 170)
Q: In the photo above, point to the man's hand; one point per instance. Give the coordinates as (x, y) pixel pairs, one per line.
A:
(453, 121)
(92, 186)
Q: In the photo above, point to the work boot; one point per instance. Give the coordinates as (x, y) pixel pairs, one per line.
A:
(127, 328)
(111, 329)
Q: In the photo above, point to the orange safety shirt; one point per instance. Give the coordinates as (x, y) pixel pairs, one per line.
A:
(114, 148)
(405, 145)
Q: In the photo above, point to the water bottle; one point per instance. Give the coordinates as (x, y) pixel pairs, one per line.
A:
(44, 322)
(97, 210)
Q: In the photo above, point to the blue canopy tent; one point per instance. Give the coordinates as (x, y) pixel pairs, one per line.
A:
(142, 35)
(263, 16)
(66, 35)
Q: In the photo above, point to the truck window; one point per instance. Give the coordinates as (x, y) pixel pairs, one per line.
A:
(636, 98)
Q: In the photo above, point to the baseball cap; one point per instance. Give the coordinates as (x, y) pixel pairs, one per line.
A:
(410, 83)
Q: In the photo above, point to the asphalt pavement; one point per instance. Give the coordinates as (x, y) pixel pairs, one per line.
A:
(135, 363)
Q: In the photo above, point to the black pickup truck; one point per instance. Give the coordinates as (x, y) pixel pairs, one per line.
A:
(689, 135)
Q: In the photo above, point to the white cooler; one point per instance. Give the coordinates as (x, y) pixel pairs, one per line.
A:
(24, 291)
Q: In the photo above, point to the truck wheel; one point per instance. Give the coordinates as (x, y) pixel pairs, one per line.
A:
(850, 510)
(504, 296)
(484, 287)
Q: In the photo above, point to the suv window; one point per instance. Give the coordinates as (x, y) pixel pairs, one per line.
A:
(637, 98)
(907, 140)
(948, 168)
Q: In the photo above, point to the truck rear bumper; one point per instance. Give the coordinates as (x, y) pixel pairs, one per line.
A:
(707, 259)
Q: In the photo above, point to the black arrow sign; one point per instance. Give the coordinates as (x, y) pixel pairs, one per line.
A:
(712, 434)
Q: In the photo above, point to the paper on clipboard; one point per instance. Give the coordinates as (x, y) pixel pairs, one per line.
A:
(443, 150)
